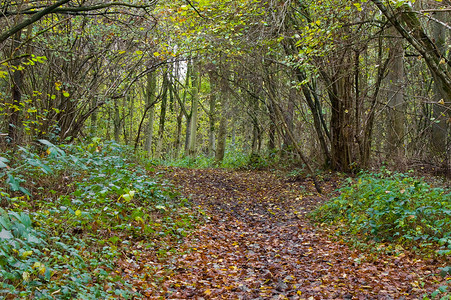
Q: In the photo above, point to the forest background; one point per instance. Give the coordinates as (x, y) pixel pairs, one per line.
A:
(96, 94)
(335, 85)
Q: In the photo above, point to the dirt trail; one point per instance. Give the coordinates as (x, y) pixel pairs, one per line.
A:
(258, 245)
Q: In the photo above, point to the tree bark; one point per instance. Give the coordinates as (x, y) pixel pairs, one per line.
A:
(164, 102)
(151, 87)
(341, 127)
(194, 91)
(212, 116)
(14, 126)
(411, 29)
(440, 127)
(222, 130)
(396, 105)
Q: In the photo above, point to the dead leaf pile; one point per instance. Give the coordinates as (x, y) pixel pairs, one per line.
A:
(257, 244)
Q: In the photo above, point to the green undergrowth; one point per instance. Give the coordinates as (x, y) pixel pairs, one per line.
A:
(70, 212)
(392, 212)
(233, 159)
(397, 208)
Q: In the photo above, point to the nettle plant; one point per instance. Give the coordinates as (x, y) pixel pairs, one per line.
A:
(393, 207)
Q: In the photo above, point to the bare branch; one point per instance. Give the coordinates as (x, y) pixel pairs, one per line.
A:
(36, 16)
(195, 9)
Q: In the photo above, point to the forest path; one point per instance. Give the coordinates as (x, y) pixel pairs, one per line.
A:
(258, 245)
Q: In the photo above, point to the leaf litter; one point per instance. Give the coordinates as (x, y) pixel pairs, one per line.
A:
(256, 243)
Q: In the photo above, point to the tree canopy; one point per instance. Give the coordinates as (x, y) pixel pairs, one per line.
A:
(310, 79)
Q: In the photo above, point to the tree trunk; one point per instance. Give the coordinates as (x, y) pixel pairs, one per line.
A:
(395, 105)
(341, 127)
(318, 121)
(287, 147)
(93, 105)
(164, 102)
(367, 141)
(211, 116)
(178, 142)
(14, 126)
(125, 100)
(256, 131)
(272, 128)
(409, 26)
(150, 99)
(222, 130)
(440, 127)
(117, 122)
(195, 83)
(131, 101)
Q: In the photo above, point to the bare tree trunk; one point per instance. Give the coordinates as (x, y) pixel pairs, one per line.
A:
(272, 128)
(222, 131)
(318, 121)
(342, 139)
(195, 83)
(109, 122)
(93, 105)
(409, 26)
(150, 99)
(164, 102)
(14, 126)
(125, 100)
(440, 127)
(178, 142)
(211, 116)
(287, 147)
(256, 131)
(396, 104)
(131, 100)
(117, 123)
(367, 141)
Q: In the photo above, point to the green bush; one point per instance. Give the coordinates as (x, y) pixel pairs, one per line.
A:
(395, 208)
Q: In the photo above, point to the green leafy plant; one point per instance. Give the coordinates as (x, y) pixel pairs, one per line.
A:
(81, 207)
(396, 208)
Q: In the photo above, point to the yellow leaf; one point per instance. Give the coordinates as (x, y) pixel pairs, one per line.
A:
(25, 254)
(42, 270)
(26, 276)
(207, 292)
(156, 54)
(78, 213)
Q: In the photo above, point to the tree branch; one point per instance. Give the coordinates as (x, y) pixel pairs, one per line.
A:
(36, 17)
(56, 8)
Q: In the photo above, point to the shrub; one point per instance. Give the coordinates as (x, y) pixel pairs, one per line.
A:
(395, 208)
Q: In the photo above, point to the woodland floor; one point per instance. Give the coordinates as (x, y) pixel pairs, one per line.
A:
(257, 244)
